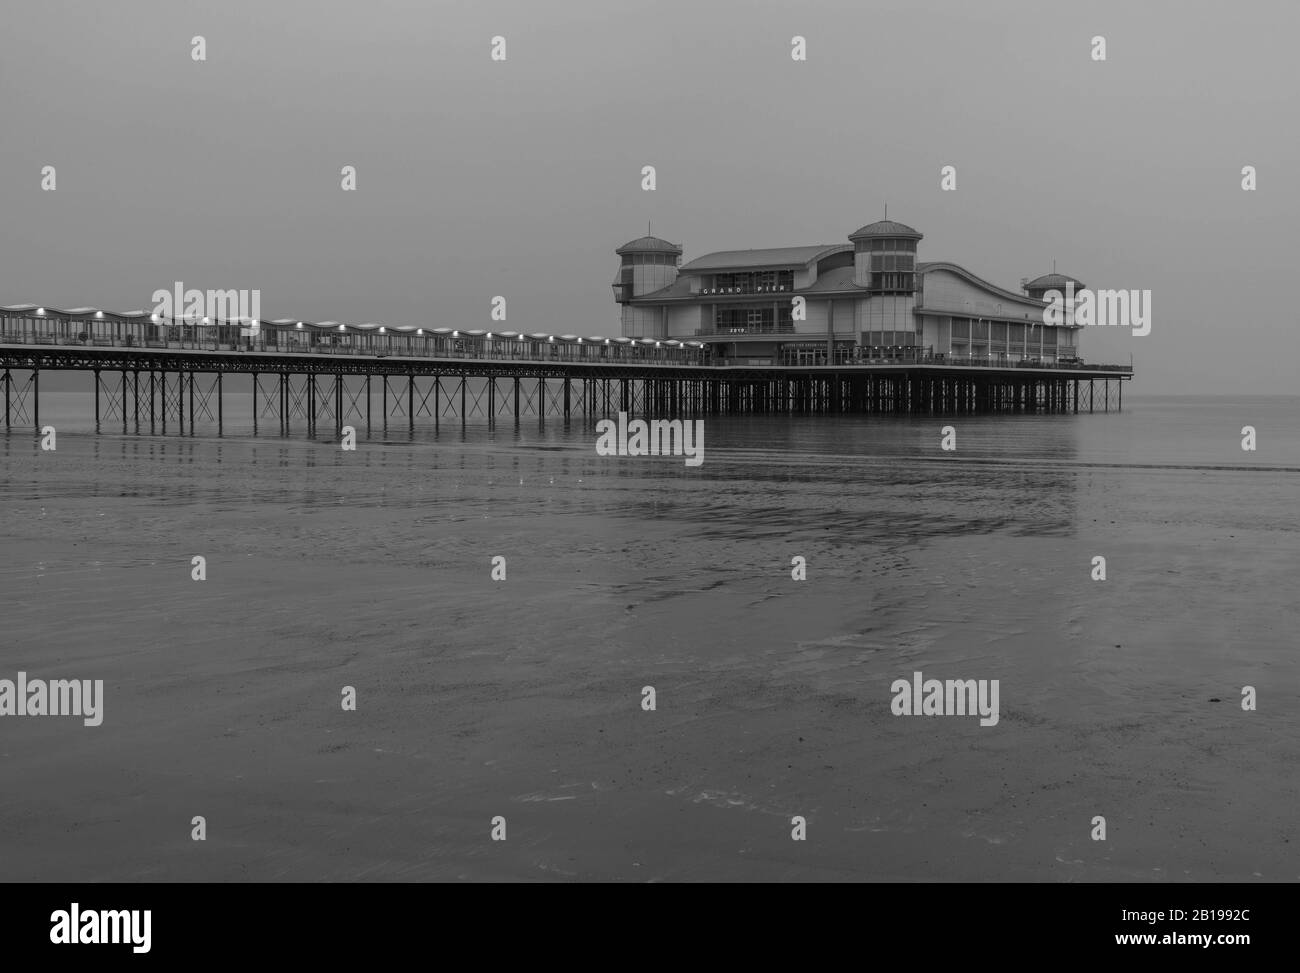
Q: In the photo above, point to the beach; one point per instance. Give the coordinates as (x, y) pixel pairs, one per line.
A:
(522, 698)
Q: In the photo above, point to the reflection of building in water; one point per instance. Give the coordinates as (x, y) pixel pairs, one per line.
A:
(867, 299)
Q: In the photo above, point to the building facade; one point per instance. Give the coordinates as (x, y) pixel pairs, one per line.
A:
(869, 299)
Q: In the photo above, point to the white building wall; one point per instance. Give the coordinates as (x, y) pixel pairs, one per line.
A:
(846, 318)
(936, 333)
(640, 322)
(888, 312)
(947, 293)
(817, 313)
(862, 269)
(685, 319)
(651, 277)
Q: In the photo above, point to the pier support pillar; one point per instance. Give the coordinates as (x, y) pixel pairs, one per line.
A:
(338, 404)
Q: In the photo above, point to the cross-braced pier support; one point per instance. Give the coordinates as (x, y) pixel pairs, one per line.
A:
(174, 393)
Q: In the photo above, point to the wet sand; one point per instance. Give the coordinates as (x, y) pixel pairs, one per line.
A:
(522, 698)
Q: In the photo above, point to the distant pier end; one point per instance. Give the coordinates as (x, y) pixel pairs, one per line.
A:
(865, 300)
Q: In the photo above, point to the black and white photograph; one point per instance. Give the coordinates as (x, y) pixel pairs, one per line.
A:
(593, 442)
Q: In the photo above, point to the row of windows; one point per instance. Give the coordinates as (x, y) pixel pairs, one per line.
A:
(963, 329)
(881, 262)
(1047, 340)
(981, 348)
(729, 316)
(888, 339)
(650, 260)
(751, 281)
(892, 282)
(878, 245)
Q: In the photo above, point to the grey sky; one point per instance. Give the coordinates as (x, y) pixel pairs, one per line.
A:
(478, 178)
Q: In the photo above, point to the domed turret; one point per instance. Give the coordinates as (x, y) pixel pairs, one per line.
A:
(1039, 286)
(884, 257)
(648, 264)
(886, 228)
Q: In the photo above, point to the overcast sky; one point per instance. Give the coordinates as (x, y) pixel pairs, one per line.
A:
(477, 178)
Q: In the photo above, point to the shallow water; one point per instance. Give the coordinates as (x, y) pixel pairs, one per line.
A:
(522, 698)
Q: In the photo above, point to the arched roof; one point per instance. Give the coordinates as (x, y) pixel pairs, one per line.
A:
(649, 244)
(771, 258)
(46, 310)
(1053, 281)
(932, 266)
(888, 228)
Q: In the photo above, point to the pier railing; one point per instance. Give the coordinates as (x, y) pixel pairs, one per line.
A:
(848, 359)
(400, 346)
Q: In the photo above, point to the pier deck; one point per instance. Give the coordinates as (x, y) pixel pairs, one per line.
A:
(154, 374)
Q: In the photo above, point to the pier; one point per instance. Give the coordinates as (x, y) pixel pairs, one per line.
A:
(317, 378)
